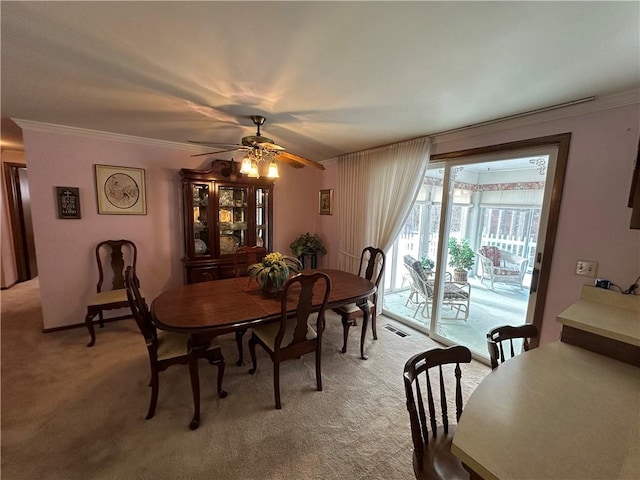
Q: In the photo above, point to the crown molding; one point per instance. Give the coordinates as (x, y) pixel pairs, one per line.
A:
(565, 110)
(97, 134)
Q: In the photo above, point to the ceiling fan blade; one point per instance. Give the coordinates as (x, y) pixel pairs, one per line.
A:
(217, 145)
(291, 157)
(288, 161)
(218, 151)
(270, 146)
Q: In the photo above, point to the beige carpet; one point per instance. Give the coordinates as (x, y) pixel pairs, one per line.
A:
(72, 412)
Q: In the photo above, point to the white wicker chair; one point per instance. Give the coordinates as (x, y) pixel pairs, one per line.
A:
(502, 266)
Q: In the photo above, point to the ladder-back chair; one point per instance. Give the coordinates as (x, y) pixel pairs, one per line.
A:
(432, 457)
(497, 336)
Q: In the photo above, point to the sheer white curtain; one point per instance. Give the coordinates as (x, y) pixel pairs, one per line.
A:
(376, 190)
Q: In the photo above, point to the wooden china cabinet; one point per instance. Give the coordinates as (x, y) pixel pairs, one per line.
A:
(223, 210)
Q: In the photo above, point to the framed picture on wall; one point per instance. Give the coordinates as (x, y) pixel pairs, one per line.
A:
(325, 202)
(120, 190)
(68, 202)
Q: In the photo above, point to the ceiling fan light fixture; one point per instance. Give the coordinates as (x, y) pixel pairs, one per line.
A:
(246, 165)
(273, 170)
(253, 172)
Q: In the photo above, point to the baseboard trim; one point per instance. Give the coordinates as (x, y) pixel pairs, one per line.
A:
(83, 324)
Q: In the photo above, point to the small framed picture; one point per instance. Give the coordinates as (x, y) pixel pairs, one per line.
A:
(120, 190)
(68, 202)
(325, 202)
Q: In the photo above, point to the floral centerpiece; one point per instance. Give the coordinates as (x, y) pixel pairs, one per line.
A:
(307, 244)
(273, 271)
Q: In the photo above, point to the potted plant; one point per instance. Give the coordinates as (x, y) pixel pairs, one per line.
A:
(461, 258)
(307, 244)
(273, 271)
(427, 263)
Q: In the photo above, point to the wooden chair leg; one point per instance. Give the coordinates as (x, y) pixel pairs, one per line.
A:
(276, 383)
(88, 320)
(101, 319)
(154, 393)
(318, 370)
(239, 335)
(374, 328)
(252, 351)
(217, 359)
(345, 332)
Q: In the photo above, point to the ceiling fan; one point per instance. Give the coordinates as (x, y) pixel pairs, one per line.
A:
(259, 149)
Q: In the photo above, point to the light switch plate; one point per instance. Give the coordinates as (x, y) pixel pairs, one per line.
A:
(587, 268)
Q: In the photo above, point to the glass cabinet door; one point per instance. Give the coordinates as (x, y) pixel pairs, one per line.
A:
(200, 196)
(232, 219)
(262, 217)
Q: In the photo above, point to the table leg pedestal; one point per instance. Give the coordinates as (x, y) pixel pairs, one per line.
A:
(197, 346)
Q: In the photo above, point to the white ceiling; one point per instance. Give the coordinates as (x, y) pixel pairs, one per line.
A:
(331, 77)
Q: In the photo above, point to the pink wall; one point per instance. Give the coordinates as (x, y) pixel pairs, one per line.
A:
(66, 264)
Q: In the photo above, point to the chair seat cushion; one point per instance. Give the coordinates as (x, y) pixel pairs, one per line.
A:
(352, 307)
(492, 253)
(172, 344)
(267, 333)
(452, 292)
(506, 272)
(110, 296)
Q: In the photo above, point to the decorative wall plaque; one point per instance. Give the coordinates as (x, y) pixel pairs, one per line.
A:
(68, 202)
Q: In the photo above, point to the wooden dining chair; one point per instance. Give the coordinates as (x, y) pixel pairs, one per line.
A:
(242, 258)
(497, 336)
(112, 253)
(292, 336)
(372, 262)
(165, 348)
(432, 457)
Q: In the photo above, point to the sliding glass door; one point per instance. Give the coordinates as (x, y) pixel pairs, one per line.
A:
(496, 206)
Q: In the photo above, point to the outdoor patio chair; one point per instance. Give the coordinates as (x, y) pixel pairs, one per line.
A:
(456, 295)
(499, 265)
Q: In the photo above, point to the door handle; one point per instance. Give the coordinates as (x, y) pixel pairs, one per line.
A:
(534, 280)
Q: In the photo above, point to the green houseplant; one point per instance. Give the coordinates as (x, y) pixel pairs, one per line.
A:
(461, 258)
(273, 271)
(427, 263)
(307, 244)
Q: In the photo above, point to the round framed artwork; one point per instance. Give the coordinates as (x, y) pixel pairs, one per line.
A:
(120, 190)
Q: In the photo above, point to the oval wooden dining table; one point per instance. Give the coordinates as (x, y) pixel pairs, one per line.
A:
(205, 310)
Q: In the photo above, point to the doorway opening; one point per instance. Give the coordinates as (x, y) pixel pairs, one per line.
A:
(19, 202)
